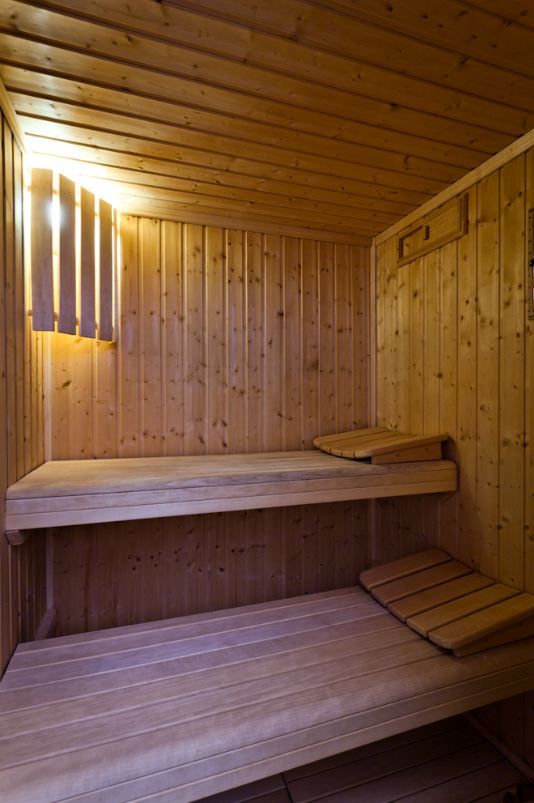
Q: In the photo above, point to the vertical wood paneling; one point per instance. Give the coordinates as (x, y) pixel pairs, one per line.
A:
(195, 342)
(128, 352)
(468, 542)
(344, 337)
(273, 393)
(216, 345)
(172, 304)
(228, 341)
(361, 350)
(22, 569)
(529, 420)
(292, 379)
(237, 339)
(512, 373)
(478, 338)
(487, 377)
(327, 339)
(150, 352)
(310, 342)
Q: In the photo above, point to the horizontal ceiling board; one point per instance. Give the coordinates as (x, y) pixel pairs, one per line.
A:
(453, 25)
(337, 116)
(379, 50)
(122, 153)
(323, 29)
(322, 112)
(518, 11)
(84, 161)
(348, 160)
(40, 85)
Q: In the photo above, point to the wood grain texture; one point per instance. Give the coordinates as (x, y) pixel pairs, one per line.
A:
(483, 394)
(228, 343)
(266, 683)
(22, 569)
(216, 112)
(72, 492)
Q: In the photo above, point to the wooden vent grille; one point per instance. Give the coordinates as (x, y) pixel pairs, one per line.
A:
(448, 223)
(72, 258)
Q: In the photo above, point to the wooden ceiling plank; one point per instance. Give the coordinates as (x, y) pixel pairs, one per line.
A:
(383, 166)
(519, 11)
(168, 210)
(410, 64)
(324, 29)
(195, 200)
(121, 148)
(208, 193)
(51, 87)
(158, 140)
(82, 160)
(452, 25)
(248, 224)
(213, 205)
(278, 100)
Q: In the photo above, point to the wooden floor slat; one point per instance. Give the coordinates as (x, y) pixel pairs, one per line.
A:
(368, 769)
(410, 781)
(378, 765)
(185, 718)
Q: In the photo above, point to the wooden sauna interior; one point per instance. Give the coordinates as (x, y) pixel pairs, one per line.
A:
(317, 219)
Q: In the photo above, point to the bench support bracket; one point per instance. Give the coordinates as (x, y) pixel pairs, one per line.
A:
(16, 537)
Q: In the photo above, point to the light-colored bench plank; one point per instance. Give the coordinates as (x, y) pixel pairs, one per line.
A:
(439, 595)
(214, 701)
(441, 615)
(450, 604)
(67, 492)
(381, 445)
(486, 622)
(397, 569)
(414, 583)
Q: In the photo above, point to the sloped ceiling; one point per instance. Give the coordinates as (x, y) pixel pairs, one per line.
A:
(337, 116)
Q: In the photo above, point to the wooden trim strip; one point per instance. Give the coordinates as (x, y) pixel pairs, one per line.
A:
(518, 147)
(8, 110)
(247, 224)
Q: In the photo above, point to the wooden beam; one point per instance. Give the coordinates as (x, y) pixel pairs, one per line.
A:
(6, 105)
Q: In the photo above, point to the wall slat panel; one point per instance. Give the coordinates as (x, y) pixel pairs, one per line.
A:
(512, 373)
(487, 371)
(87, 265)
(229, 341)
(67, 257)
(73, 258)
(22, 569)
(105, 292)
(150, 352)
(41, 249)
(473, 299)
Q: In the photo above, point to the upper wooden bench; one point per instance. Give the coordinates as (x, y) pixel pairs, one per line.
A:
(70, 492)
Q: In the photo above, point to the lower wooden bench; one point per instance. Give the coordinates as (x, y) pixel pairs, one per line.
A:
(183, 708)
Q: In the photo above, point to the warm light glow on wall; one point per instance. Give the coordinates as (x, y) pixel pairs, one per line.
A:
(72, 258)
